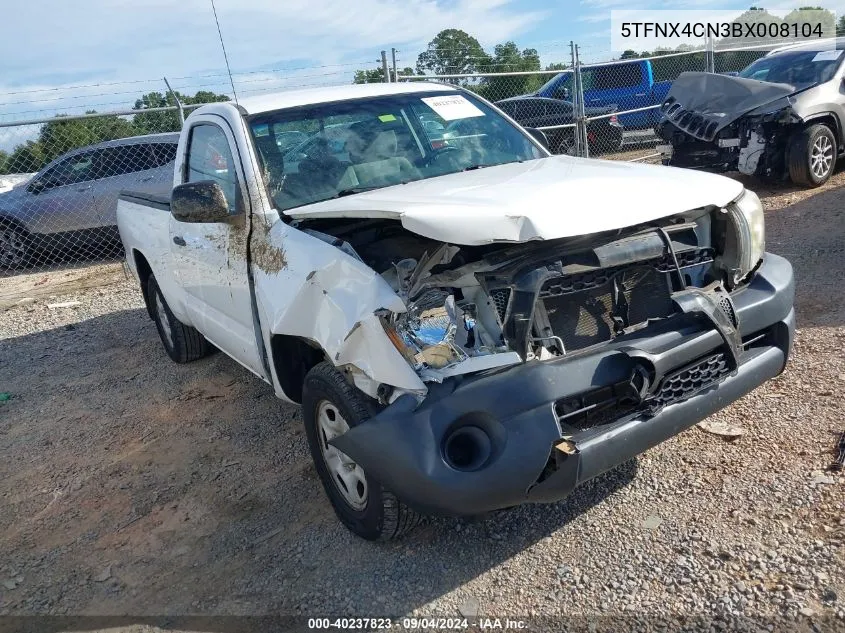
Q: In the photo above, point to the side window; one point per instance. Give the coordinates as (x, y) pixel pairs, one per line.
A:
(122, 159)
(210, 158)
(558, 108)
(72, 170)
(621, 76)
(137, 157)
(163, 153)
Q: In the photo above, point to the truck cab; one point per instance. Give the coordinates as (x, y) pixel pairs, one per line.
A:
(628, 85)
(468, 322)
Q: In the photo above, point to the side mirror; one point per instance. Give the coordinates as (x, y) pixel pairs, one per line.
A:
(539, 136)
(36, 186)
(202, 201)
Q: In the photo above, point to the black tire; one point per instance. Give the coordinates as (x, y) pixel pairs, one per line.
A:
(565, 146)
(800, 157)
(384, 516)
(15, 247)
(185, 343)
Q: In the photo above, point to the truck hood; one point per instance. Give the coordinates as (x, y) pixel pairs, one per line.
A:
(544, 199)
(715, 101)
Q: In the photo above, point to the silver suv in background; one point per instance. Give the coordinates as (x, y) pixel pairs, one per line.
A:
(782, 117)
(72, 202)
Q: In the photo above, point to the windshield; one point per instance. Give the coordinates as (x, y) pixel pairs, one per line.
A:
(798, 68)
(348, 147)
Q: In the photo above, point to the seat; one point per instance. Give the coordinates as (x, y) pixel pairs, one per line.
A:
(373, 153)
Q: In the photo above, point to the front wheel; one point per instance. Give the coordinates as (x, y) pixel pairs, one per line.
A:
(14, 247)
(181, 342)
(812, 155)
(330, 407)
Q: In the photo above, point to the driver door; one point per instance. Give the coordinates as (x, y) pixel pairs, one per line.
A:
(61, 198)
(210, 257)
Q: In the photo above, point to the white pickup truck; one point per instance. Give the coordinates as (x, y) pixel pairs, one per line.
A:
(468, 322)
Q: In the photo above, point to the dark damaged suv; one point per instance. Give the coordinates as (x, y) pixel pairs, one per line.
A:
(782, 117)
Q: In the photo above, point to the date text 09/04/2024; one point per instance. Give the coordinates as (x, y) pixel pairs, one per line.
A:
(416, 624)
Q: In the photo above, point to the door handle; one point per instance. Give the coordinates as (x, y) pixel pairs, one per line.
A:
(84, 188)
(640, 94)
(147, 179)
(179, 240)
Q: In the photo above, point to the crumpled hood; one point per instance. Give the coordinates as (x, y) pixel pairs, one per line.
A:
(701, 104)
(542, 199)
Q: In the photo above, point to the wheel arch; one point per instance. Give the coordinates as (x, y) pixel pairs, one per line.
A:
(831, 121)
(145, 271)
(7, 220)
(292, 358)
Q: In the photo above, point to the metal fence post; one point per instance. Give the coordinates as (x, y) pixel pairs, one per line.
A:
(709, 55)
(384, 67)
(576, 96)
(178, 103)
(582, 147)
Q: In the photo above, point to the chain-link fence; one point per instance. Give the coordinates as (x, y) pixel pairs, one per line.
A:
(60, 177)
(60, 183)
(605, 109)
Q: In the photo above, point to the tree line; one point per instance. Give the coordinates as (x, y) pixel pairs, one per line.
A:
(456, 52)
(59, 136)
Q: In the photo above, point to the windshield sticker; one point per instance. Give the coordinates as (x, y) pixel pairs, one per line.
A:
(386, 118)
(452, 107)
(826, 56)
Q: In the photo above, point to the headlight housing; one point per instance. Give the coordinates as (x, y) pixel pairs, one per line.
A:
(745, 239)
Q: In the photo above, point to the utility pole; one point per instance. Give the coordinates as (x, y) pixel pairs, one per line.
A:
(395, 73)
(384, 67)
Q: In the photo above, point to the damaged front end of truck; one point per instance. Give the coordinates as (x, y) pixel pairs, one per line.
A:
(549, 362)
(722, 123)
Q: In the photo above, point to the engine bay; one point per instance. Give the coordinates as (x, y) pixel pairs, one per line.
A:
(475, 308)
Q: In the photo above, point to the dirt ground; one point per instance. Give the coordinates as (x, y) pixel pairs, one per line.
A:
(132, 485)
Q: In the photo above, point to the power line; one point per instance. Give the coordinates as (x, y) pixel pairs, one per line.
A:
(225, 56)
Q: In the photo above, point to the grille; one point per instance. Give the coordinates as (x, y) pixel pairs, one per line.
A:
(687, 258)
(586, 309)
(728, 308)
(609, 404)
(685, 383)
(596, 407)
(501, 297)
(694, 124)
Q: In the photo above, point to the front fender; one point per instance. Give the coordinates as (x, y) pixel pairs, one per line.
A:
(317, 292)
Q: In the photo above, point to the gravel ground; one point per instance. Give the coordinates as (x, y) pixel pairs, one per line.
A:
(129, 484)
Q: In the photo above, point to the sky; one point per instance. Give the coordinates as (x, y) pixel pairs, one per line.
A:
(119, 49)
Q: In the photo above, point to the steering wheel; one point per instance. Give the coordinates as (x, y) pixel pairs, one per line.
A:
(438, 152)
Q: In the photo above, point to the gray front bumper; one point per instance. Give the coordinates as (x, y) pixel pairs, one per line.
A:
(402, 447)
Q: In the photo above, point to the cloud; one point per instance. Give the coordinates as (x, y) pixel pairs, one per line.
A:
(103, 41)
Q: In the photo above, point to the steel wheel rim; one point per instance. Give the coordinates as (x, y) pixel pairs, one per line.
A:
(12, 248)
(163, 320)
(348, 477)
(821, 157)
(566, 148)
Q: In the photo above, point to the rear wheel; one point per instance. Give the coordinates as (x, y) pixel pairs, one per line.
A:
(182, 343)
(330, 407)
(812, 155)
